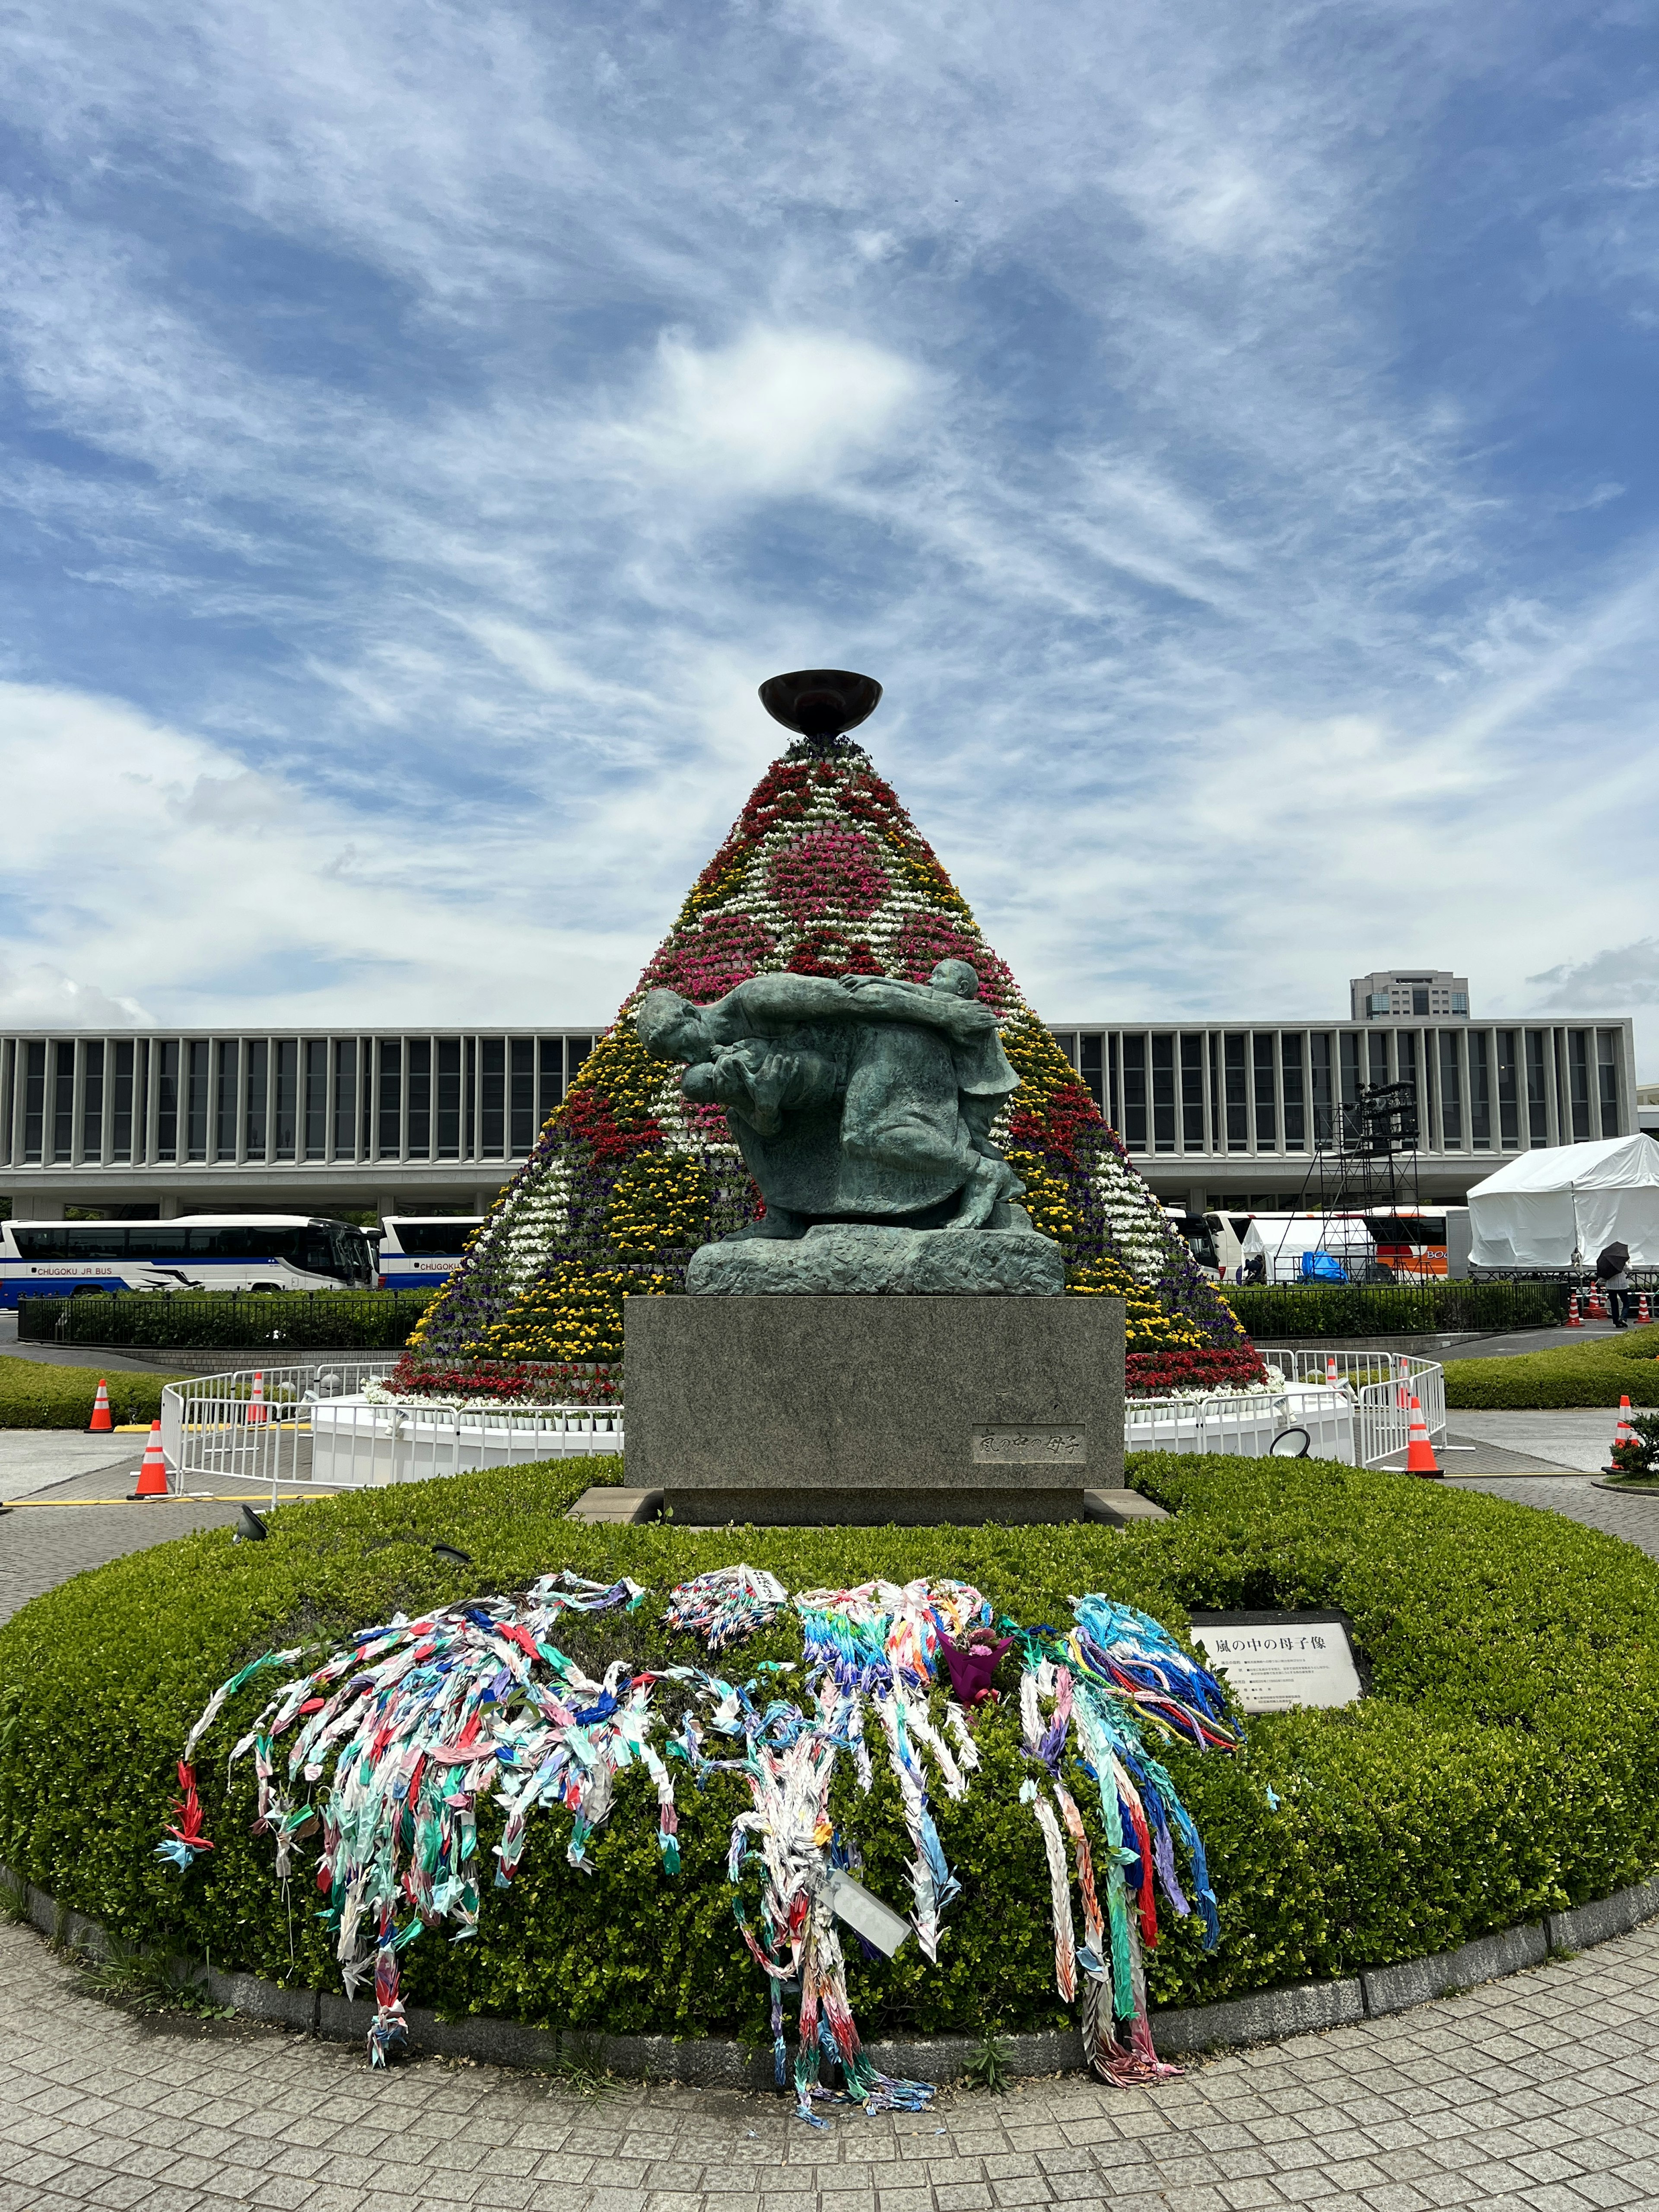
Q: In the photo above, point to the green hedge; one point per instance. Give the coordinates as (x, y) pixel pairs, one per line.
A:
(330, 1320)
(1395, 1310)
(35, 1395)
(1507, 1764)
(1598, 1372)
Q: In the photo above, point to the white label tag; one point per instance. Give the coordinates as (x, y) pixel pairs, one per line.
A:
(865, 1913)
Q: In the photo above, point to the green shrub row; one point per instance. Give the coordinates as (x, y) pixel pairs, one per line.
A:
(1507, 1764)
(1598, 1372)
(1394, 1308)
(35, 1395)
(332, 1321)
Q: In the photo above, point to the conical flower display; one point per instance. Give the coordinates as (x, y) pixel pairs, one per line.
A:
(823, 873)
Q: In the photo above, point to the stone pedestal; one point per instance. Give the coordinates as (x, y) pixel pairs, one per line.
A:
(825, 1410)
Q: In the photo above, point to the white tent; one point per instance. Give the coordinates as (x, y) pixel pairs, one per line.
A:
(1561, 1203)
(1282, 1238)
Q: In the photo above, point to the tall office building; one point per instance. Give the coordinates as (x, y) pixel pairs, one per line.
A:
(1389, 992)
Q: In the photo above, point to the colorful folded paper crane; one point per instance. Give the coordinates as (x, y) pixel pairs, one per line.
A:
(386, 1750)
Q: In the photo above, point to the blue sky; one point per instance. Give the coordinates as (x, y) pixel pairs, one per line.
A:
(1228, 434)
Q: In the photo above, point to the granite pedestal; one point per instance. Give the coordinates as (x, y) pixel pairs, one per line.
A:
(809, 1411)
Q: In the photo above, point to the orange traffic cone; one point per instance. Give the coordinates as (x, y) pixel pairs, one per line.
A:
(153, 1474)
(1420, 1452)
(1574, 1320)
(1624, 1434)
(1642, 1312)
(256, 1405)
(100, 1425)
(1330, 1371)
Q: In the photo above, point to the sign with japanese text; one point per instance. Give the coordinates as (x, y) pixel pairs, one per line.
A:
(1273, 1662)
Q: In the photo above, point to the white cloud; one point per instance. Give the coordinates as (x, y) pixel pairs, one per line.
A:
(42, 997)
(774, 414)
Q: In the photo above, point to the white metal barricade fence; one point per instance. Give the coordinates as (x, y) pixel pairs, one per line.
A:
(1355, 1406)
(313, 1426)
(1245, 1425)
(1383, 1384)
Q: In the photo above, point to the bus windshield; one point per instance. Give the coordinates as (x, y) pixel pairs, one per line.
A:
(434, 1239)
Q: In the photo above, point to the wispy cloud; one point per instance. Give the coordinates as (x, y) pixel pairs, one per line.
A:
(1224, 435)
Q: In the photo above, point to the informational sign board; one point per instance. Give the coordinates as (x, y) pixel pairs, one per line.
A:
(1272, 1663)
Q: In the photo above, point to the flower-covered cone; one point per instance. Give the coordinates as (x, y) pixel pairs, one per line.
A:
(823, 874)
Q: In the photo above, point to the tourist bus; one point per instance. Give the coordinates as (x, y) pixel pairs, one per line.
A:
(1215, 1241)
(196, 1252)
(418, 1251)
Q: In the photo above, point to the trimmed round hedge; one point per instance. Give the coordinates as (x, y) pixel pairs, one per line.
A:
(1504, 1766)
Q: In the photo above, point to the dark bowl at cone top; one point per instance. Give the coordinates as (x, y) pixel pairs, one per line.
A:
(820, 702)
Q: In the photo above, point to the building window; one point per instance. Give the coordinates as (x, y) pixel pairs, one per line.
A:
(258, 1068)
(1377, 1003)
(521, 1059)
(166, 1100)
(1451, 1094)
(92, 1099)
(1538, 1104)
(1134, 1093)
(470, 1099)
(392, 1097)
(121, 1119)
(1192, 1094)
(549, 1078)
(492, 1096)
(286, 1097)
(1267, 1120)
(1480, 1094)
(1319, 1069)
(34, 1101)
(1089, 1068)
(449, 1098)
(1460, 1002)
(1419, 1002)
(196, 1098)
(1351, 1078)
(62, 1099)
(1238, 1120)
(1290, 1061)
(224, 1101)
(1508, 1107)
(420, 1099)
(1607, 1077)
(316, 1050)
(345, 1099)
(1163, 1103)
(1578, 1083)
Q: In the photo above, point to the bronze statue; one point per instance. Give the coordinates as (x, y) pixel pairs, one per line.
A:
(855, 1099)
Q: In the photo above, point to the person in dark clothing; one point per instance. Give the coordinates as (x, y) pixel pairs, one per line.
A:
(1612, 1273)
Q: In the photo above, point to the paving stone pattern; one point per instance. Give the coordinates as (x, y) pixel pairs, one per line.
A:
(1539, 2092)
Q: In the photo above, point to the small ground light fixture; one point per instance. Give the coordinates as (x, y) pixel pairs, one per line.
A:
(448, 1552)
(250, 1528)
(1290, 1443)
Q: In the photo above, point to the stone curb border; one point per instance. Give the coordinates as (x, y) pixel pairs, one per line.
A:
(1265, 2016)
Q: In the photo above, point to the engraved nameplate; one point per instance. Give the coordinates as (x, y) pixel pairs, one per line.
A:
(1029, 1448)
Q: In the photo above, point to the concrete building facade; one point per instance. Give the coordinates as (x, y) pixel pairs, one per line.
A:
(409, 1122)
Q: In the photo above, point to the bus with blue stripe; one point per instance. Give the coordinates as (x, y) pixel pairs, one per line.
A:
(419, 1251)
(196, 1252)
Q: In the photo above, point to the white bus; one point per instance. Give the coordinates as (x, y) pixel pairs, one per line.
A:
(418, 1251)
(196, 1252)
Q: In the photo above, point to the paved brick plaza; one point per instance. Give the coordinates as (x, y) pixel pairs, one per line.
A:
(1539, 2092)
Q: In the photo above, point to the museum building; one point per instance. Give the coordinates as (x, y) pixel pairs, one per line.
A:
(162, 1123)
